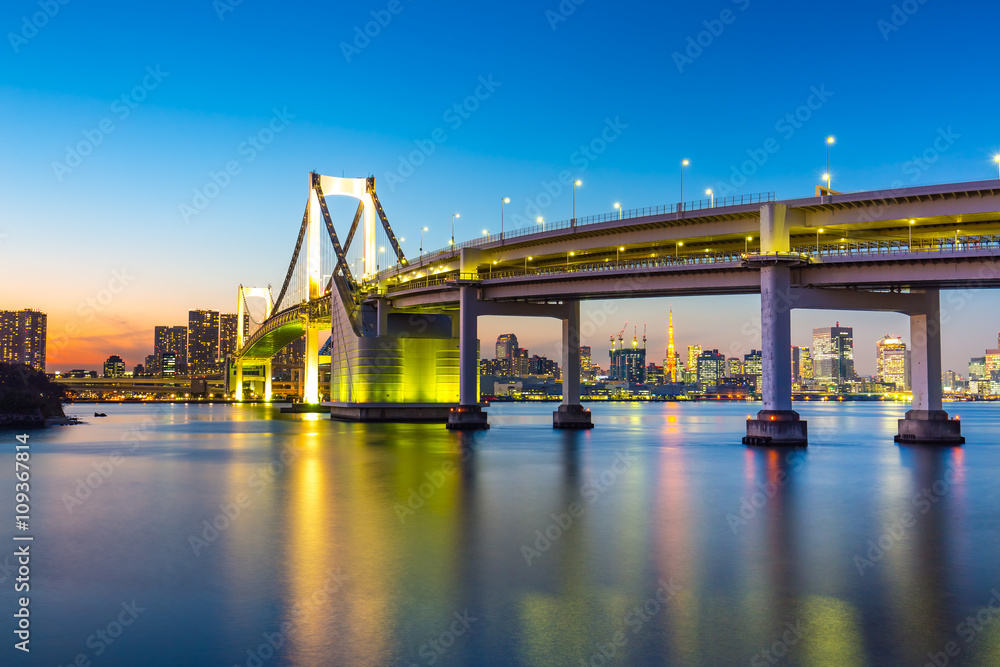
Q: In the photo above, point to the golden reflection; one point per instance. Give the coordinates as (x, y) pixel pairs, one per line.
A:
(831, 633)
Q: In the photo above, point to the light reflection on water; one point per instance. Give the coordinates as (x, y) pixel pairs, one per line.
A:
(399, 544)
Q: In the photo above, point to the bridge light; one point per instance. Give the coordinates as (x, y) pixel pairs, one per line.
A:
(830, 140)
(506, 200)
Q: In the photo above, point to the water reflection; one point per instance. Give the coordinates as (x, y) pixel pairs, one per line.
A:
(374, 541)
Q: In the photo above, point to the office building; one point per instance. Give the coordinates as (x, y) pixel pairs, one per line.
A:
(506, 354)
(203, 341)
(227, 335)
(833, 354)
(173, 340)
(628, 364)
(22, 337)
(711, 369)
(734, 367)
(168, 364)
(694, 351)
(892, 362)
(752, 364)
(114, 367)
(805, 365)
(586, 363)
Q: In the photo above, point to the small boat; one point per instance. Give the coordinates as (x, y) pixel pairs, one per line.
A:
(100, 414)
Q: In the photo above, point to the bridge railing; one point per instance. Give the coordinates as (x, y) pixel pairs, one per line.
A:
(851, 248)
(614, 216)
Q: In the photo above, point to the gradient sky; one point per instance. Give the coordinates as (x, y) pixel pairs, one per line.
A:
(66, 233)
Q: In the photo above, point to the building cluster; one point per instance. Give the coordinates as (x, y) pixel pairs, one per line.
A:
(825, 368)
(199, 349)
(22, 337)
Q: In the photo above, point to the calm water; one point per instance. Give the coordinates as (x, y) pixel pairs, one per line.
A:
(655, 538)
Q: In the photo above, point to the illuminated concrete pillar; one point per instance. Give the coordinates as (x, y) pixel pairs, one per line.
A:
(310, 376)
(469, 414)
(312, 246)
(267, 380)
(571, 414)
(239, 380)
(776, 424)
(927, 422)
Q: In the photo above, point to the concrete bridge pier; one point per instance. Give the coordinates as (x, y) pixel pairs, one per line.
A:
(239, 380)
(571, 415)
(267, 380)
(777, 425)
(927, 422)
(468, 415)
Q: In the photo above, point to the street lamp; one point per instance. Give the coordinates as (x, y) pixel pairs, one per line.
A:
(526, 260)
(618, 255)
(505, 200)
(540, 220)
(712, 195)
(619, 207)
(684, 163)
(576, 184)
(996, 158)
(422, 230)
(909, 246)
(486, 233)
(829, 141)
(746, 244)
(818, 232)
(676, 247)
(453, 216)
(568, 255)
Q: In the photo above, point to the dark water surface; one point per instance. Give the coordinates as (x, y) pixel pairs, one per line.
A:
(656, 538)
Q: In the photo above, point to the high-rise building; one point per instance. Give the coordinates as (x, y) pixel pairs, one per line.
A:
(22, 337)
(670, 365)
(805, 364)
(203, 341)
(522, 363)
(891, 362)
(227, 335)
(796, 361)
(168, 364)
(694, 351)
(169, 339)
(138, 371)
(506, 354)
(711, 368)
(735, 367)
(542, 366)
(833, 354)
(586, 363)
(114, 367)
(655, 374)
(752, 364)
(977, 368)
(992, 370)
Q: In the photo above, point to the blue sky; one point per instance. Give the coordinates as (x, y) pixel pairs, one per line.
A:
(211, 74)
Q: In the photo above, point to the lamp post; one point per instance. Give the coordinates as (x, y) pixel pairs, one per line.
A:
(422, 230)
(526, 260)
(746, 245)
(453, 216)
(829, 140)
(540, 220)
(618, 252)
(712, 195)
(684, 163)
(909, 245)
(619, 207)
(818, 232)
(505, 200)
(576, 184)
(568, 255)
(677, 247)
(996, 158)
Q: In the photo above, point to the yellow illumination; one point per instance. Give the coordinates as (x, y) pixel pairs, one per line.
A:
(826, 177)
(617, 205)
(684, 163)
(830, 140)
(506, 200)
(539, 219)
(820, 230)
(749, 238)
(680, 243)
(913, 222)
(578, 182)
(571, 254)
(530, 258)
(622, 249)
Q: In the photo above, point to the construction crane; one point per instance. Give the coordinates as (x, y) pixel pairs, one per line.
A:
(620, 334)
(635, 335)
(644, 335)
